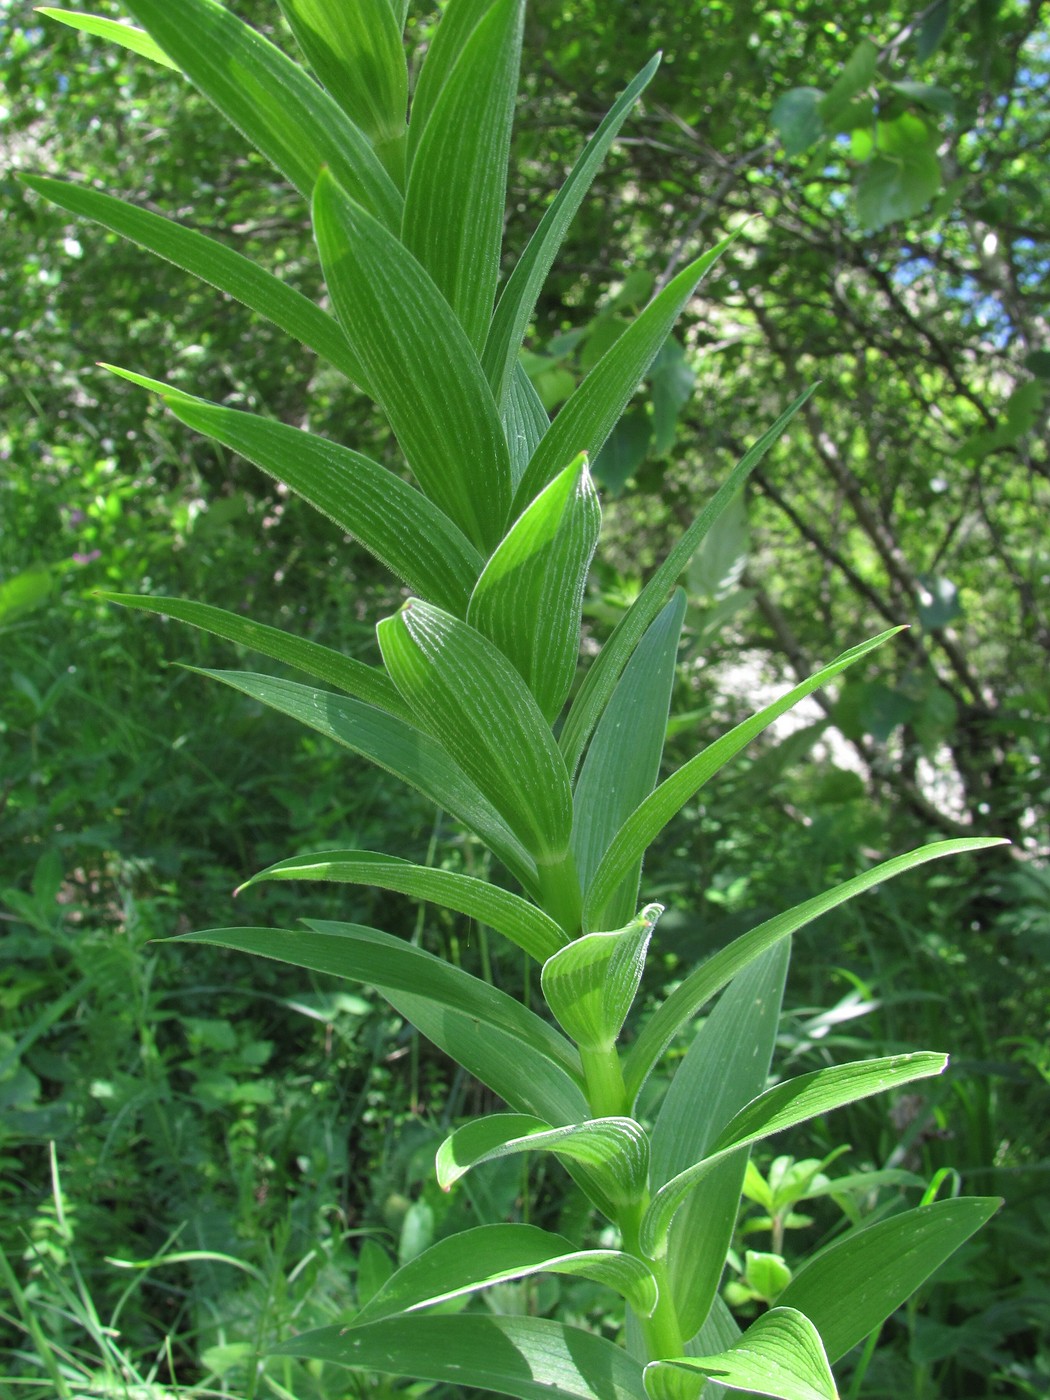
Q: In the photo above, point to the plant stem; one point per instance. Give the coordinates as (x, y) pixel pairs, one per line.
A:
(603, 1073)
(662, 1332)
(560, 892)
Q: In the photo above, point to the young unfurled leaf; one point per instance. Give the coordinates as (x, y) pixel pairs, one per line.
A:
(212, 262)
(400, 748)
(853, 1285)
(454, 204)
(600, 681)
(367, 683)
(126, 35)
(518, 297)
(648, 819)
(529, 1357)
(589, 416)
(623, 758)
(358, 53)
(419, 364)
(296, 125)
(530, 928)
(780, 1355)
(590, 984)
(476, 1259)
(529, 598)
(709, 979)
(614, 1150)
(472, 700)
(400, 526)
(783, 1106)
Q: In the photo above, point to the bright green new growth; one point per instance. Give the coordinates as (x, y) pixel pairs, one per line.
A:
(494, 541)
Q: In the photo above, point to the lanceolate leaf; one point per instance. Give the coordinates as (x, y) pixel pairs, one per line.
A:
(400, 526)
(600, 680)
(296, 125)
(454, 204)
(419, 364)
(214, 263)
(784, 1106)
(623, 759)
(525, 421)
(779, 1355)
(358, 54)
(853, 1285)
(474, 702)
(614, 1150)
(647, 820)
(367, 683)
(589, 416)
(709, 979)
(398, 747)
(530, 928)
(380, 960)
(529, 599)
(458, 22)
(591, 983)
(530, 1357)
(126, 35)
(476, 1259)
(518, 298)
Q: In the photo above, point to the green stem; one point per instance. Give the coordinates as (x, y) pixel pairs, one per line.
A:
(662, 1331)
(560, 892)
(603, 1074)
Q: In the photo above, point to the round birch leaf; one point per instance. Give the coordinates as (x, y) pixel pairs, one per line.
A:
(529, 598)
(476, 1259)
(472, 700)
(615, 1150)
(590, 984)
(780, 1355)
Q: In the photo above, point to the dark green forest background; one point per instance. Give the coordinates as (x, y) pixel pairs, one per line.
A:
(263, 1140)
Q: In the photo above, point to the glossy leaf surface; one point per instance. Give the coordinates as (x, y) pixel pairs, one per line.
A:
(529, 1357)
(454, 204)
(476, 1259)
(784, 1106)
(529, 598)
(709, 979)
(270, 99)
(780, 1355)
(469, 696)
(530, 928)
(437, 400)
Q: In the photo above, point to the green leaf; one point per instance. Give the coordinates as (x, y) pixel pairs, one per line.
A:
(439, 404)
(600, 681)
(853, 1285)
(392, 744)
(709, 979)
(590, 985)
(933, 29)
(530, 928)
(367, 683)
(476, 1259)
(616, 776)
(530, 1357)
(358, 53)
(785, 1106)
(904, 175)
(739, 1037)
(454, 205)
(399, 526)
(518, 298)
(529, 598)
(525, 421)
(651, 816)
(672, 380)
(24, 592)
(624, 450)
(469, 696)
(126, 35)
(797, 119)
(270, 100)
(379, 959)
(615, 1150)
(213, 263)
(780, 1354)
(858, 74)
(591, 413)
(458, 22)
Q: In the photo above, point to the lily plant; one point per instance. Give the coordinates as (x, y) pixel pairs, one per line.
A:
(474, 701)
